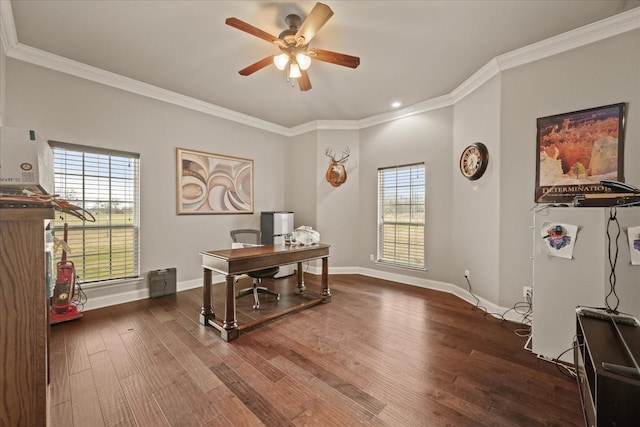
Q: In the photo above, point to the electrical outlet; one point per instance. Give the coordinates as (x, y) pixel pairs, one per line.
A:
(467, 274)
(371, 257)
(527, 292)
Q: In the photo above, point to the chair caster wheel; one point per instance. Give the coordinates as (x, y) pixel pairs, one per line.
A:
(256, 306)
(278, 297)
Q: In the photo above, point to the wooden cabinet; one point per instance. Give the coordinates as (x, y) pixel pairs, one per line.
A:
(608, 399)
(24, 317)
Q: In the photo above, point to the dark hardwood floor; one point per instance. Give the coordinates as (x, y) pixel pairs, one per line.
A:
(380, 354)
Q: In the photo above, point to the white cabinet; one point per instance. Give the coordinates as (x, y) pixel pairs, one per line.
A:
(559, 284)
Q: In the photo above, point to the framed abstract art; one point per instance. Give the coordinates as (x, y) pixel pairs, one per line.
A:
(213, 184)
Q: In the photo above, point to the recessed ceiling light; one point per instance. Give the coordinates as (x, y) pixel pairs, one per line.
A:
(396, 104)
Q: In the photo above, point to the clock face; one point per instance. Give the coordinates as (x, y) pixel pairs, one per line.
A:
(473, 161)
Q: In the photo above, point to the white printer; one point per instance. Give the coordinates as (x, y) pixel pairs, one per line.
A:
(26, 162)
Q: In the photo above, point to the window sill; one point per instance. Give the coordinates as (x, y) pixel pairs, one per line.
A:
(111, 283)
(399, 266)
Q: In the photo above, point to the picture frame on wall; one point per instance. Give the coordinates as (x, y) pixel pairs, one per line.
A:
(577, 150)
(211, 183)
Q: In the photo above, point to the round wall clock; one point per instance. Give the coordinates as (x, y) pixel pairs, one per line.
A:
(474, 160)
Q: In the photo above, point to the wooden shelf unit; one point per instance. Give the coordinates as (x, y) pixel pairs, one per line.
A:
(24, 317)
(608, 399)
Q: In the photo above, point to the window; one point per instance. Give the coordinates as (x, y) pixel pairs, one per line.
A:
(106, 184)
(401, 203)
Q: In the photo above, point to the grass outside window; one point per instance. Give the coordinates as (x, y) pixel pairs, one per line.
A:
(104, 183)
(401, 207)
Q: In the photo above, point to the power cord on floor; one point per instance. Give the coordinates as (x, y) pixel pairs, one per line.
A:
(526, 315)
(569, 370)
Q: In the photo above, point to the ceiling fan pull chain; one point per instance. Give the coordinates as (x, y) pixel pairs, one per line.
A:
(290, 80)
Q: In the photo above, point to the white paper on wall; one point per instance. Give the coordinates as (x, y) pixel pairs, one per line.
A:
(559, 239)
(634, 244)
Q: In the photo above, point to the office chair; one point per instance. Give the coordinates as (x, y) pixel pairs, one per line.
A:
(253, 237)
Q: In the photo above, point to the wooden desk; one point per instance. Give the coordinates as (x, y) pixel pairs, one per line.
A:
(233, 262)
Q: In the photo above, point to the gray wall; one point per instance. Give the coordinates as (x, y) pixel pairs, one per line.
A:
(483, 226)
(425, 137)
(601, 73)
(338, 208)
(333, 211)
(69, 109)
(301, 177)
(476, 222)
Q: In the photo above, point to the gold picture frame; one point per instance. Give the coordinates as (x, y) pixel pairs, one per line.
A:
(211, 183)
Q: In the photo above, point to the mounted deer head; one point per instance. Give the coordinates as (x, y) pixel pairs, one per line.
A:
(337, 174)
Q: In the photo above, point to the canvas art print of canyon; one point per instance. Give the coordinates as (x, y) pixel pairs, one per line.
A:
(576, 151)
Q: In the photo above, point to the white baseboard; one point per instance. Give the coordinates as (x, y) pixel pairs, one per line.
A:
(493, 309)
(137, 289)
(105, 295)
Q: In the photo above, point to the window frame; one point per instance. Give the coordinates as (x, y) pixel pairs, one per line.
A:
(121, 178)
(414, 248)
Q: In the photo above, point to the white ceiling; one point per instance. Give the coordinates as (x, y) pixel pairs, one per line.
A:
(410, 51)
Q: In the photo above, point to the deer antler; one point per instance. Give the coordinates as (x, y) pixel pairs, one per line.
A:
(329, 153)
(345, 155)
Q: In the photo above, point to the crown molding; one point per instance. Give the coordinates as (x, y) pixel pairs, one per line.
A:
(323, 125)
(303, 128)
(477, 79)
(600, 30)
(421, 107)
(7, 26)
(337, 125)
(64, 65)
(587, 34)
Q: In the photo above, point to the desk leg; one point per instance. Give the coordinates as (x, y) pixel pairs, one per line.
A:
(230, 329)
(326, 292)
(301, 288)
(206, 312)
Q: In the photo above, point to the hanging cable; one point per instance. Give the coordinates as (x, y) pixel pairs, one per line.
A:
(612, 262)
(524, 309)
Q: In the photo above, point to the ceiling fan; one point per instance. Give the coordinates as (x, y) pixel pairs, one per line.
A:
(294, 43)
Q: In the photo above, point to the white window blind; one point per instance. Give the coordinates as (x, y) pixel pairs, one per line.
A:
(105, 183)
(401, 207)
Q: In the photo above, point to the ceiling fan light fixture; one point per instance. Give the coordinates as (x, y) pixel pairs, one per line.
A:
(281, 61)
(304, 61)
(294, 71)
(293, 42)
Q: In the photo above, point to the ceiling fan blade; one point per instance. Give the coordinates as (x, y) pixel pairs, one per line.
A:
(318, 16)
(335, 58)
(303, 81)
(254, 31)
(256, 66)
